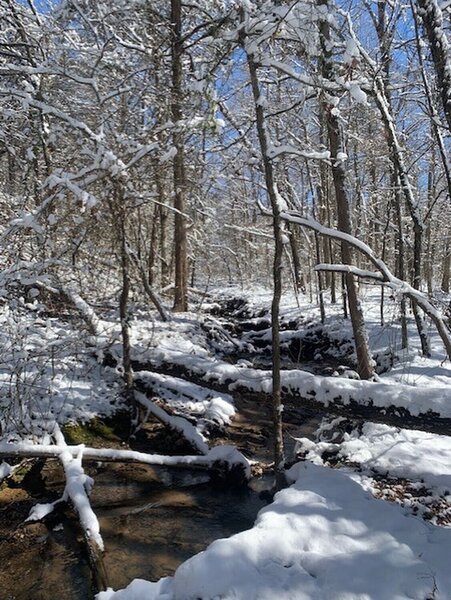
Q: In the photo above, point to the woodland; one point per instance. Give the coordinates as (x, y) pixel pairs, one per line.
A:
(225, 299)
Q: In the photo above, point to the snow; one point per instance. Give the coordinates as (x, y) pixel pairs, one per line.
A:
(188, 430)
(414, 455)
(5, 470)
(78, 488)
(417, 400)
(324, 538)
(223, 453)
(185, 395)
(358, 94)
(48, 372)
(39, 511)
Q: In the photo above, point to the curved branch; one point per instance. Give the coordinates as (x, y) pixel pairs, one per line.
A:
(384, 276)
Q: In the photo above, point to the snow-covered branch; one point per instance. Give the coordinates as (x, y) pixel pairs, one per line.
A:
(399, 286)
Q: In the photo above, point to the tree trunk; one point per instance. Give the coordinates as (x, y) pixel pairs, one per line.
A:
(295, 257)
(400, 262)
(123, 311)
(180, 238)
(397, 157)
(271, 188)
(432, 18)
(446, 269)
(364, 361)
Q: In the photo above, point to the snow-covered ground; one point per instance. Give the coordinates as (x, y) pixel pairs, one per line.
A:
(325, 537)
(415, 383)
(49, 372)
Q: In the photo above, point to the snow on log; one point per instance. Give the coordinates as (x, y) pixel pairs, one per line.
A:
(77, 490)
(200, 401)
(228, 455)
(179, 424)
(78, 487)
(425, 408)
(5, 471)
(86, 312)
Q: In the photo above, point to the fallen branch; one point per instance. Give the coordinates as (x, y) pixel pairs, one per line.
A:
(86, 312)
(153, 296)
(229, 455)
(179, 424)
(77, 490)
(202, 402)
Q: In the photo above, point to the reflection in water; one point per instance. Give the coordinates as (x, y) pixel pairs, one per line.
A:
(151, 521)
(161, 527)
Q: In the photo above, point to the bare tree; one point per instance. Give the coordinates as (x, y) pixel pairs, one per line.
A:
(180, 239)
(432, 17)
(337, 152)
(275, 200)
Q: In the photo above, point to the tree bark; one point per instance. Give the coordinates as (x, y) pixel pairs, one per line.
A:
(273, 195)
(397, 157)
(180, 237)
(446, 268)
(364, 361)
(432, 18)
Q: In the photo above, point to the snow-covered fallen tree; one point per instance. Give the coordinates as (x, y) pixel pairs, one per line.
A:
(335, 393)
(201, 402)
(179, 424)
(226, 455)
(77, 490)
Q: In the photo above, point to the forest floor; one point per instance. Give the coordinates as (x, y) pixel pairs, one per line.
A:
(368, 510)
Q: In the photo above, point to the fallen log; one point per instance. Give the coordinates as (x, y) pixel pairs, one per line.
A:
(202, 403)
(179, 424)
(345, 397)
(88, 315)
(77, 490)
(228, 455)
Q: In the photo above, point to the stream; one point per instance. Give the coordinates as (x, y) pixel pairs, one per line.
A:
(151, 521)
(151, 518)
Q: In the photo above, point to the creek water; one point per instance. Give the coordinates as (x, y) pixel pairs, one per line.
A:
(151, 521)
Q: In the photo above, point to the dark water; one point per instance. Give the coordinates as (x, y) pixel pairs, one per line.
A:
(151, 527)
(151, 520)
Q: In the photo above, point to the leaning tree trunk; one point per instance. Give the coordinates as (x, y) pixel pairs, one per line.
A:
(365, 366)
(397, 157)
(432, 18)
